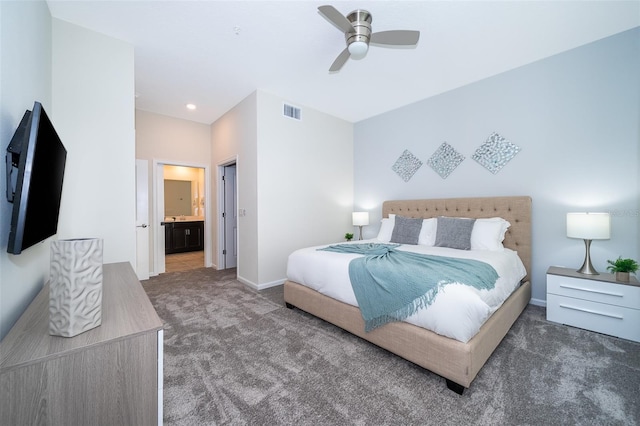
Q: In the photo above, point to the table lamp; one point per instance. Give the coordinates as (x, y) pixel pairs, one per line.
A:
(588, 226)
(360, 219)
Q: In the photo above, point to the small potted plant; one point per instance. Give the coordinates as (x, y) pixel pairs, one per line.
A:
(622, 268)
(348, 236)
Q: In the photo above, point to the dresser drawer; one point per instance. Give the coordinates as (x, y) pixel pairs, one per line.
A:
(596, 291)
(603, 318)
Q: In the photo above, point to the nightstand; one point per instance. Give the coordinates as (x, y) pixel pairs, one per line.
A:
(594, 302)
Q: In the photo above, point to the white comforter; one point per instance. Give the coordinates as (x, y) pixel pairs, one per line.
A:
(457, 312)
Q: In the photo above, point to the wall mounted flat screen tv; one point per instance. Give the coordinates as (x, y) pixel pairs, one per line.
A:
(35, 170)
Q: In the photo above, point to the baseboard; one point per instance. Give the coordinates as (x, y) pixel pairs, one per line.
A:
(259, 287)
(247, 282)
(538, 302)
(271, 284)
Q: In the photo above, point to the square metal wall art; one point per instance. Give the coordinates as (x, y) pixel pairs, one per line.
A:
(406, 165)
(495, 153)
(445, 160)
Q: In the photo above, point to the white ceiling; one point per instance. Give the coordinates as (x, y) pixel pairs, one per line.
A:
(215, 53)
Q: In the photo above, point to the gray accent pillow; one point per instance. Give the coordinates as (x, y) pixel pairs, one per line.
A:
(406, 230)
(454, 232)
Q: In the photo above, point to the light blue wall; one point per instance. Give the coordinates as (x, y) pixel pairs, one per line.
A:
(59, 64)
(25, 76)
(576, 117)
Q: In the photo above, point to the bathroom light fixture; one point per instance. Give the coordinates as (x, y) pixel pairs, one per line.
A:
(588, 226)
(360, 219)
(191, 106)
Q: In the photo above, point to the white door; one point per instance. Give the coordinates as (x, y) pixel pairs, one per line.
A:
(142, 219)
(230, 218)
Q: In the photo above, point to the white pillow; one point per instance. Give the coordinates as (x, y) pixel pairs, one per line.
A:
(488, 234)
(386, 228)
(428, 232)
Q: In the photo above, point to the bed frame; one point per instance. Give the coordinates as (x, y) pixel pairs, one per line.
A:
(457, 362)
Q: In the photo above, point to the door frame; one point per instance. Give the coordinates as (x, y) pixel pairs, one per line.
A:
(220, 205)
(143, 234)
(158, 211)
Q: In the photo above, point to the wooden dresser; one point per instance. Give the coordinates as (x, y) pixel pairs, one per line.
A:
(109, 375)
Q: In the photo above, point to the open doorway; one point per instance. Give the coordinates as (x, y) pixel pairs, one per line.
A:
(181, 213)
(228, 215)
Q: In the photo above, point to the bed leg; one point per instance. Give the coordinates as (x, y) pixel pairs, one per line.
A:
(455, 387)
(288, 305)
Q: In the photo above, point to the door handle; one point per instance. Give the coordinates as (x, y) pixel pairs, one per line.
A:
(144, 225)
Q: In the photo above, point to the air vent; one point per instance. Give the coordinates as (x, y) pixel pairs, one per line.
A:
(291, 112)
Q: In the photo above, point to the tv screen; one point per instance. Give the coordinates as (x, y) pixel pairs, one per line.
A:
(35, 169)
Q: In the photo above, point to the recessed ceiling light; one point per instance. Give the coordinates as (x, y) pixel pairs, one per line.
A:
(191, 106)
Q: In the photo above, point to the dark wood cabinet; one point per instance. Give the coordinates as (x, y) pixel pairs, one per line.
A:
(180, 237)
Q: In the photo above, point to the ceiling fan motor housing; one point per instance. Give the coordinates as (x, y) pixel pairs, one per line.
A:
(361, 21)
(357, 34)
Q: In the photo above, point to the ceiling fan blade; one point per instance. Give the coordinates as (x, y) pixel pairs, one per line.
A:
(396, 37)
(338, 19)
(340, 60)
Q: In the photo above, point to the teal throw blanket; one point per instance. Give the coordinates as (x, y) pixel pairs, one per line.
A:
(391, 285)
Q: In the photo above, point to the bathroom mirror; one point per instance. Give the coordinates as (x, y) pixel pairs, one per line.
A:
(177, 198)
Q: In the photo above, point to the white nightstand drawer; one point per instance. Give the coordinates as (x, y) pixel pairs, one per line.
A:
(603, 318)
(597, 291)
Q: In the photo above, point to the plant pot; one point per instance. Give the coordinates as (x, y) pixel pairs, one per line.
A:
(622, 276)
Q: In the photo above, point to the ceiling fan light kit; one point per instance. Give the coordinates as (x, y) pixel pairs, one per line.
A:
(358, 40)
(357, 34)
(358, 49)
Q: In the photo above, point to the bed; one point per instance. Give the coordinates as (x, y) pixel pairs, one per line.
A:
(458, 362)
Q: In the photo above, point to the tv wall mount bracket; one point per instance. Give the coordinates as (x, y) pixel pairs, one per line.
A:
(13, 155)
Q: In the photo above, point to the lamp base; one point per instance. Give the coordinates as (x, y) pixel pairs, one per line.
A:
(587, 268)
(360, 226)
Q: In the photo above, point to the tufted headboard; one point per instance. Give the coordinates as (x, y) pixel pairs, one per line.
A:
(517, 210)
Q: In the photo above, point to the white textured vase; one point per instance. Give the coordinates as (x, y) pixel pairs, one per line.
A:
(75, 286)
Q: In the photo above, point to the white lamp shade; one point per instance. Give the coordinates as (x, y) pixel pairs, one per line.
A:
(360, 218)
(589, 226)
(358, 49)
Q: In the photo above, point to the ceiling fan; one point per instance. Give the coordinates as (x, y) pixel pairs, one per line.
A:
(358, 35)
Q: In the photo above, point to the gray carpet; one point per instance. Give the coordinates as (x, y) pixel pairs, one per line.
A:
(236, 356)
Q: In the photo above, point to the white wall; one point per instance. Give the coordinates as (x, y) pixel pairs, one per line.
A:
(93, 110)
(168, 138)
(25, 76)
(294, 182)
(305, 183)
(85, 82)
(576, 117)
(234, 138)
(173, 141)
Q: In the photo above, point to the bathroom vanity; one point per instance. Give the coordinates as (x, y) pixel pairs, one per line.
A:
(181, 236)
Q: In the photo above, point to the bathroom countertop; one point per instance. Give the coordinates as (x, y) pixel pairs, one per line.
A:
(172, 219)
